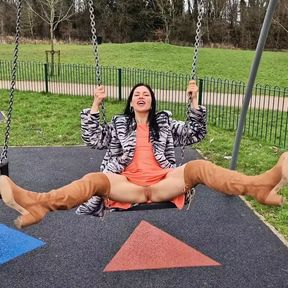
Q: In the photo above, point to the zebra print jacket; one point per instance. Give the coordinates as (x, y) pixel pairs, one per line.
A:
(122, 143)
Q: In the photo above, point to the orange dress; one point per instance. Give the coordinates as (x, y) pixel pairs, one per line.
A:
(144, 170)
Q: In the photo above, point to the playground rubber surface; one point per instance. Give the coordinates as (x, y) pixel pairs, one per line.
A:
(218, 242)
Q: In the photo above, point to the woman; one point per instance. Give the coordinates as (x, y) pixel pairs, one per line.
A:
(146, 137)
(140, 164)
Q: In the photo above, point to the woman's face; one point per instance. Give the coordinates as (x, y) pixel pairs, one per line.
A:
(141, 99)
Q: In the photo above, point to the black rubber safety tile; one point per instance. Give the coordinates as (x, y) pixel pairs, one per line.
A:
(78, 248)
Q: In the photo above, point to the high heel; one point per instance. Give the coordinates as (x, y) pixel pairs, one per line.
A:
(263, 188)
(26, 220)
(8, 197)
(273, 198)
(34, 206)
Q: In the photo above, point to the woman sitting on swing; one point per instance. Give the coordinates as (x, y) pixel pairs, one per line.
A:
(139, 166)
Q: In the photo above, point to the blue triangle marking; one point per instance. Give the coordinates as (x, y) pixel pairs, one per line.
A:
(14, 243)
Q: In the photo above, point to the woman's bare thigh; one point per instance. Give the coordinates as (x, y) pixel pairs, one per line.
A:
(124, 191)
(171, 186)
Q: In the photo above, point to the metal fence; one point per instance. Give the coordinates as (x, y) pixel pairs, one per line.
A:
(267, 118)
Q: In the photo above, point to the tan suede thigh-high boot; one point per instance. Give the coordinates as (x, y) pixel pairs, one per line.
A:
(34, 206)
(263, 187)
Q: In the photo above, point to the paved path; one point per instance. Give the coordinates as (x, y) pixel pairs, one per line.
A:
(78, 248)
(209, 98)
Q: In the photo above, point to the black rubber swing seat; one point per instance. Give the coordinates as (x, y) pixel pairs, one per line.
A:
(4, 169)
(148, 206)
(152, 206)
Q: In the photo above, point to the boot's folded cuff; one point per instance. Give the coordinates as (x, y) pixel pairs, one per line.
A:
(106, 185)
(187, 180)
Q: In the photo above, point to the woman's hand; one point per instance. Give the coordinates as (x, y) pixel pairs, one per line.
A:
(99, 97)
(192, 91)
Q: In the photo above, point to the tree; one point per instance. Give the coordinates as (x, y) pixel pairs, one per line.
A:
(27, 22)
(167, 11)
(234, 23)
(52, 12)
(279, 28)
(7, 17)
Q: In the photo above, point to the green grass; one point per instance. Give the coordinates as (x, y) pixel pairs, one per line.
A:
(47, 119)
(266, 125)
(219, 63)
(40, 119)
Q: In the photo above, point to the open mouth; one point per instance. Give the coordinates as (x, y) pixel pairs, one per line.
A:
(141, 103)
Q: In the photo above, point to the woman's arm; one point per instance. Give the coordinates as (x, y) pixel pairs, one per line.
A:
(99, 97)
(93, 134)
(192, 92)
(196, 126)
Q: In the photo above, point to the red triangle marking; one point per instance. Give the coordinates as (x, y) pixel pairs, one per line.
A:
(151, 248)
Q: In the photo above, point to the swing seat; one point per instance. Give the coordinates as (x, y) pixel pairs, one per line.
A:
(152, 206)
(4, 169)
(99, 40)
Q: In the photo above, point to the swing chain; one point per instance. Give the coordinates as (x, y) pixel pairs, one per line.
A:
(197, 38)
(96, 54)
(193, 75)
(13, 82)
(185, 132)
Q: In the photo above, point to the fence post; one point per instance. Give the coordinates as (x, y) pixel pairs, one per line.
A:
(200, 91)
(46, 77)
(119, 84)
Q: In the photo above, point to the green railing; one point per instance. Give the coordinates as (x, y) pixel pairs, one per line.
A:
(267, 118)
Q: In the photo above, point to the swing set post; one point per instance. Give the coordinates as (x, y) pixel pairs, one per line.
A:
(253, 72)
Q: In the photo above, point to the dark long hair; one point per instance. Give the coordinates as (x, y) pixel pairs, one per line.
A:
(153, 125)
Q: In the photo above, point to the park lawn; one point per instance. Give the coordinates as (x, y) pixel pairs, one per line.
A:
(231, 64)
(48, 119)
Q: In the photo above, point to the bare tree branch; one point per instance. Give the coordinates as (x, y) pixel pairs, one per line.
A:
(278, 23)
(65, 17)
(44, 10)
(39, 15)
